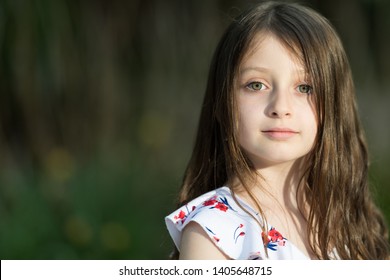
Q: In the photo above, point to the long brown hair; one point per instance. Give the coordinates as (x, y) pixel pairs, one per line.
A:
(342, 213)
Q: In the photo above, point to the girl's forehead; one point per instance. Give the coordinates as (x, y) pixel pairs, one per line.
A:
(267, 40)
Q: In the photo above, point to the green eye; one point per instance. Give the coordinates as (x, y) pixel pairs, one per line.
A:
(305, 89)
(256, 86)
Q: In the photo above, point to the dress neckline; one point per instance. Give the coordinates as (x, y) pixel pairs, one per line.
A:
(246, 205)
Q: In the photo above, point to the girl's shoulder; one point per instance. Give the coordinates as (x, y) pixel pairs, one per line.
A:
(219, 215)
(235, 232)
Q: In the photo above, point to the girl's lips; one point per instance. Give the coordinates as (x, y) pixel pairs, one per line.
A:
(280, 133)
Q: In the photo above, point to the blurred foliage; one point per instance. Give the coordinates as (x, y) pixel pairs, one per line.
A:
(99, 103)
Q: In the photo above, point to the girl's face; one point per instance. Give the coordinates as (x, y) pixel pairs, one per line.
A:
(277, 120)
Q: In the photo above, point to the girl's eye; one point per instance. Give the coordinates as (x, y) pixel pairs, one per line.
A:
(256, 86)
(305, 89)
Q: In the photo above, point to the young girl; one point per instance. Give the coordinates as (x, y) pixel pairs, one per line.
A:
(279, 168)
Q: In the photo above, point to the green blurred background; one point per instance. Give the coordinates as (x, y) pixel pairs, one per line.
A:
(99, 102)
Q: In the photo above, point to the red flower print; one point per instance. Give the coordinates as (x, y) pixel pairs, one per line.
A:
(273, 239)
(216, 239)
(240, 234)
(236, 236)
(221, 207)
(181, 215)
(220, 203)
(210, 202)
(275, 235)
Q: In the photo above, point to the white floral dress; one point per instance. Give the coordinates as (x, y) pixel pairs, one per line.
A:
(233, 231)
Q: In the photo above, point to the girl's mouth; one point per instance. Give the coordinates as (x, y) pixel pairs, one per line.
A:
(277, 133)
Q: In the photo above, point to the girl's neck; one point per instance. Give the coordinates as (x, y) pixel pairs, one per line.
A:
(277, 182)
(279, 179)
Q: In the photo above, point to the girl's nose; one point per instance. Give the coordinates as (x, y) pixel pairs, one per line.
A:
(279, 105)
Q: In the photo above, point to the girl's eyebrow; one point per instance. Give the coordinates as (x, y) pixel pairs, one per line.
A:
(255, 68)
(262, 69)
